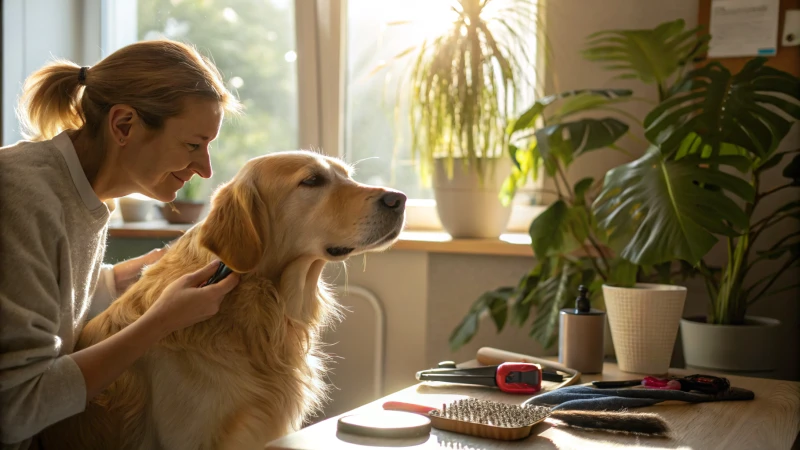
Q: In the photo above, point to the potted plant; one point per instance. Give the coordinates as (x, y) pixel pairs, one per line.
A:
(460, 90)
(569, 247)
(136, 208)
(685, 194)
(188, 205)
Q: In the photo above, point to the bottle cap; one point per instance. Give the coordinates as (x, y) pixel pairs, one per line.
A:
(582, 304)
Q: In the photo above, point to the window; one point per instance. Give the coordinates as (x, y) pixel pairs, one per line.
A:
(303, 69)
(252, 43)
(377, 32)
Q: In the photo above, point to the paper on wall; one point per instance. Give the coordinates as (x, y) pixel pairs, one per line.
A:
(743, 28)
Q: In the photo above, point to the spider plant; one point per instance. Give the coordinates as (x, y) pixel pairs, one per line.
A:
(464, 83)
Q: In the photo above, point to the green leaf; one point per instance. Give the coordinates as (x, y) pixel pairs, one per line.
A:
(559, 229)
(575, 102)
(528, 118)
(555, 293)
(792, 170)
(650, 55)
(580, 190)
(498, 305)
(771, 162)
(464, 332)
(661, 210)
(623, 273)
(570, 139)
(753, 110)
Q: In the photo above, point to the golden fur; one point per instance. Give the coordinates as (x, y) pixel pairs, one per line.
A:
(253, 372)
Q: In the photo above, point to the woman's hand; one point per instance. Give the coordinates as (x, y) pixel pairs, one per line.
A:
(183, 303)
(127, 272)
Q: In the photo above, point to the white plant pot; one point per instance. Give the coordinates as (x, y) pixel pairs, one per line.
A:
(467, 208)
(644, 323)
(752, 347)
(135, 209)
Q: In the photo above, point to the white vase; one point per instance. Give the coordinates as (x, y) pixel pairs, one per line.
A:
(644, 323)
(467, 208)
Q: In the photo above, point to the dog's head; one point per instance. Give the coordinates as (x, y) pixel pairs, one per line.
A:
(292, 204)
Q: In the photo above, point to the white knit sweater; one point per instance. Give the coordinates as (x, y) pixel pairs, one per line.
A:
(52, 280)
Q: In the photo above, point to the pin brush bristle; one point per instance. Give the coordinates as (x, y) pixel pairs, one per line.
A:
(492, 413)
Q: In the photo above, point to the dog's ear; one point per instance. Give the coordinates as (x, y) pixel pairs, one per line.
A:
(234, 229)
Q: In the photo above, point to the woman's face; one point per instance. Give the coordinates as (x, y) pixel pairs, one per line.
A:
(160, 163)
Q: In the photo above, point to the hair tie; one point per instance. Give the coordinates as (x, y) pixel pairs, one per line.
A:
(82, 75)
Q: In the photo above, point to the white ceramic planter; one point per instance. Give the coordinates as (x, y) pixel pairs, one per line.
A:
(747, 348)
(644, 325)
(466, 208)
(136, 209)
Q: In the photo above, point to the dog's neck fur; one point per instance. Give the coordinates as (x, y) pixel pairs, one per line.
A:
(294, 303)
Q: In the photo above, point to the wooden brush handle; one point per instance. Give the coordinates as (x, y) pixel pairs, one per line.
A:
(491, 356)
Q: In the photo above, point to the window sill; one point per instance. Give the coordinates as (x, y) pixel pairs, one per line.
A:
(512, 244)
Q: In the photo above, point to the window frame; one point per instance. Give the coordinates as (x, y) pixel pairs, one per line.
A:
(321, 40)
(323, 45)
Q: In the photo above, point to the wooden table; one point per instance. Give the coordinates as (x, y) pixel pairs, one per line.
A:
(770, 421)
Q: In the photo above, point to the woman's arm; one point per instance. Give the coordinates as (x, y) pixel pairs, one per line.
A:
(181, 304)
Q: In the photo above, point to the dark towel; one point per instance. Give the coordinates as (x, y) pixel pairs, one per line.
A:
(593, 399)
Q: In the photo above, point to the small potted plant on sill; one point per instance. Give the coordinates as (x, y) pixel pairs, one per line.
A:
(188, 205)
(460, 90)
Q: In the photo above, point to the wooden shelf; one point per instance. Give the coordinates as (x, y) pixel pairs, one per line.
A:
(424, 241)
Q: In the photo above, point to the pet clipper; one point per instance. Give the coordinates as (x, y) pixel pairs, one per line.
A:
(514, 378)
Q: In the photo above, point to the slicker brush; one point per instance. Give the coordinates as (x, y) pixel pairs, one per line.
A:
(495, 420)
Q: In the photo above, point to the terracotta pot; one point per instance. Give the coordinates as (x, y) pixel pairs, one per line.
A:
(752, 347)
(182, 212)
(467, 208)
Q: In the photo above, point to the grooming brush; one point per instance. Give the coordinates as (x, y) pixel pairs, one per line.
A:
(495, 420)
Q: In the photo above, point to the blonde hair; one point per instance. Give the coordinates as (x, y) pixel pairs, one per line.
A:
(153, 77)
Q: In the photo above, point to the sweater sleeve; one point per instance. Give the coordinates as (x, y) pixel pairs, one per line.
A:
(37, 386)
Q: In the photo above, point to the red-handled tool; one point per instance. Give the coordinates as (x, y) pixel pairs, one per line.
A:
(511, 377)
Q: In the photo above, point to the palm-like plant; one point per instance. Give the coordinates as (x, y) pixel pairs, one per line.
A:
(464, 84)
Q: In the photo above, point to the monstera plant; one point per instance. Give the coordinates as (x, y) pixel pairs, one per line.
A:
(658, 216)
(683, 195)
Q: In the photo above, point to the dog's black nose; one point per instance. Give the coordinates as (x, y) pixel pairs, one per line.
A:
(393, 200)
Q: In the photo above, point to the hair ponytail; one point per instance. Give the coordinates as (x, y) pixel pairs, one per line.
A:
(153, 77)
(51, 101)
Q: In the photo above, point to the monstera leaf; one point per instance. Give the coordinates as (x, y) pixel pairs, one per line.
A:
(752, 110)
(650, 55)
(664, 209)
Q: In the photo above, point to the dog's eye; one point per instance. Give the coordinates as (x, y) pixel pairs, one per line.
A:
(313, 181)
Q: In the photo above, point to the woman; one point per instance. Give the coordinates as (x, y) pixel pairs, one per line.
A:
(141, 120)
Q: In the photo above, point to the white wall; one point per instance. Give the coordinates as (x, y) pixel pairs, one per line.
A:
(35, 31)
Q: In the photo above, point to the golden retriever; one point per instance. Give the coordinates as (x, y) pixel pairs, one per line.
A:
(253, 372)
